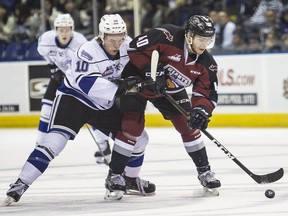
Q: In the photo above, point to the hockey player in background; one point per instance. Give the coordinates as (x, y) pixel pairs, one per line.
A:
(57, 48)
(184, 61)
(85, 96)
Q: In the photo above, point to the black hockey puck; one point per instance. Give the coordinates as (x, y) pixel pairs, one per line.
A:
(269, 193)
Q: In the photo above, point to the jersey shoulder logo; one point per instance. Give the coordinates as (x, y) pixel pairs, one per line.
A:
(86, 55)
(169, 36)
(213, 67)
(175, 58)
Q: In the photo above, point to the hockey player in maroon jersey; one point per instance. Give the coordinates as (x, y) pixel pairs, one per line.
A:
(184, 61)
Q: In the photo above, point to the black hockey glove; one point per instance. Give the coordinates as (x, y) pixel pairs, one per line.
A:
(159, 85)
(56, 73)
(199, 118)
(126, 85)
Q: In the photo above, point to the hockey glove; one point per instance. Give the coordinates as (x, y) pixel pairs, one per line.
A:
(126, 85)
(199, 118)
(157, 86)
(56, 73)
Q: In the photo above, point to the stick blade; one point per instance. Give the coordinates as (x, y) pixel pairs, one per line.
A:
(154, 63)
(269, 178)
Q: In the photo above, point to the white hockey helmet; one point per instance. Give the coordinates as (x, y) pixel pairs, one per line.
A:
(111, 24)
(64, 20)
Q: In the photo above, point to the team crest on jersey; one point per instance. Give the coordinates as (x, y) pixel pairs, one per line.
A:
(175, 58)
(176, 76)
(285, 94)
(213, 67)
(86, 55)
(111, 69)
(52, 53)
(169, 36)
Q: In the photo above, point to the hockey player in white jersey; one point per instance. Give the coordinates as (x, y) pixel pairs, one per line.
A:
(57, 47)
(87, 95)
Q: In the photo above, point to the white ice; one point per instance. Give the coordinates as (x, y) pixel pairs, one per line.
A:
(74, 184)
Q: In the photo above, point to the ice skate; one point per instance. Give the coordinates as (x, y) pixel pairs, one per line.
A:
(206, 192)
(15, 192)
(139, 186)
(115, 186)
(106, 152)
(209, 182)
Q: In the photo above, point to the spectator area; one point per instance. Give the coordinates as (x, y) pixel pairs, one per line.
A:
(242, 26)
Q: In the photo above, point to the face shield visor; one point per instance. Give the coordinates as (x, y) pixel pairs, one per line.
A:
(200, 41)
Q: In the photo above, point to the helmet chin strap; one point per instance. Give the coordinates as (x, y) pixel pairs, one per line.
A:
(189, 42)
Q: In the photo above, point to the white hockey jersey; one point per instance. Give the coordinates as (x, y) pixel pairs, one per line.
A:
(55, 55)
(91, 70)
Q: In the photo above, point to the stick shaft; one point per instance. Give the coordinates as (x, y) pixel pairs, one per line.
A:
(97, 144)
(260, 179)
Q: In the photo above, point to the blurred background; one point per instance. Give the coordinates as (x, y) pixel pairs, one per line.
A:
(251, 51)
(243, 26)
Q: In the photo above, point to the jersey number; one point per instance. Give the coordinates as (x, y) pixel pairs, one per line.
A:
(82, 66)
(142, 41)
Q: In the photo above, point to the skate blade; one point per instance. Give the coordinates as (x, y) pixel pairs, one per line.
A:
(207, 192)
(8, 201)
(138, 193)
(113, 195)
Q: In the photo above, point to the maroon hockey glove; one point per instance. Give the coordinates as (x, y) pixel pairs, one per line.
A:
(199, 118)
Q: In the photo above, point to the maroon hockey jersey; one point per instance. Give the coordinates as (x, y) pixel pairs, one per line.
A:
(183, 69)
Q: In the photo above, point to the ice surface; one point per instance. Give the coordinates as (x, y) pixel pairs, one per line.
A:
(74, 183)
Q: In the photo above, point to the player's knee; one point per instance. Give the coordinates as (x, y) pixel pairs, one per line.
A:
(54, 142)
(187, 134)
(133, 124)
(141, 143)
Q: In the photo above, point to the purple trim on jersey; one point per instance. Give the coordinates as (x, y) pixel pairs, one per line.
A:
(78, 95)
(69, 90)
(86, 83)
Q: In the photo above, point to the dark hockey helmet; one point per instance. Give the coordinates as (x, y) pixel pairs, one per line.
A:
(200, 25)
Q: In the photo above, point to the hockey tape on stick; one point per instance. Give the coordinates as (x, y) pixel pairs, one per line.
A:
(100, 150)
(154, 64)
(260, 179)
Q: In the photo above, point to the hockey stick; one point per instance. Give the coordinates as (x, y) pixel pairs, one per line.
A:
(100, 150)
(154, 64)
(260, 179)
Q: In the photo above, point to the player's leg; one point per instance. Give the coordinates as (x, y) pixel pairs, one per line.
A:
(132, 125)
(64, 125)
(192, 139)
(106, 124)
(46, 106)
(103, 142)
(134, 184)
